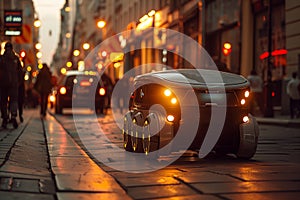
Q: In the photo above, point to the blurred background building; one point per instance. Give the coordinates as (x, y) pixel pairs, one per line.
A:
(236, 33)
(24, 35)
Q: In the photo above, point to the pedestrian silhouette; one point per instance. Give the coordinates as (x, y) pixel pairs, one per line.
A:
(21, 96)
(256, 89)
(11, 76)
(294, 94)
(43, 86)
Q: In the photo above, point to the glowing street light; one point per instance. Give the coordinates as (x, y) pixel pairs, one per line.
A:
(76, 52)
(101, 23)
(67, 9)
(86, 46)
(63, 70)
(37, 23)
(69, 64)
(39, 55)
(38, 46)
(68, 35)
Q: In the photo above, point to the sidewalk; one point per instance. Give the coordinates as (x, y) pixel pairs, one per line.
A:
(39, 160)
(279, 119)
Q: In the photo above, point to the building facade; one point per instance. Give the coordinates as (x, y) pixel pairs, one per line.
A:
(27, 40)
(242, 23)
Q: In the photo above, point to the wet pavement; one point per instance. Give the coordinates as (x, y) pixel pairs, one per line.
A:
(45, 160)
(39, 160)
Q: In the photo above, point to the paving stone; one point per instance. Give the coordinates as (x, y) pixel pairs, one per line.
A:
(47, 186)
(192, 197)
(66, 153)
(162, 172)
(75, 165)
(24, 196)
(90, 196)
(25, 185)
(205, 177)
(268, 176)
(264, 196)
(249, 187)
(147, 181)
(87, 182)
(6, 183)
(160, 191)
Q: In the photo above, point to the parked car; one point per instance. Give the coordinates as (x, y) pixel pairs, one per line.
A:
(171, 90)
(80, 89)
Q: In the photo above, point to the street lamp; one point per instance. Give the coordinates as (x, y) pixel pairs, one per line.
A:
(37, 23)
(39, 55)
(86, 46)
(101, 23)
(38, 46)
(68, 35)
(76, 52)
(69, 64)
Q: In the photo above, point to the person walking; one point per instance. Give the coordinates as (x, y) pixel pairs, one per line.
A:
(43, 86)
(10, 75)
(256, 88)
(21, 96)
(294, 94)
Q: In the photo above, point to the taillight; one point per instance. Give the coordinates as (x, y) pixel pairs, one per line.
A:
(243, 96)
(62, 90)
(52, 98)
(102, 91)
(170, 118)
(247, 93)
(167, 92)
(85, 83)
(245, 119)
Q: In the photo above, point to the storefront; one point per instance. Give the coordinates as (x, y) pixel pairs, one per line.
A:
(223, 26)
(277, 59)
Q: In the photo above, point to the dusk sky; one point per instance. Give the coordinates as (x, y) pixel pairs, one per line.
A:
(49, 14)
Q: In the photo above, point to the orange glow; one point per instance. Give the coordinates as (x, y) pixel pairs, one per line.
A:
(62, 90)
(167, 92)
(170, 118)
(102, 91)
(247, 94)
(243, 101)
(85, 83)
(227, 45)
(173, 100)
(52, 98)
(226, 48)
(22, 54)
(101, 23)
(245, 119)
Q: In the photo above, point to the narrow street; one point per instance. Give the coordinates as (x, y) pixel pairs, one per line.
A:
(44, 160)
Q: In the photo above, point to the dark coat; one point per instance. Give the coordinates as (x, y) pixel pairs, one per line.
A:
(43, 82)
(11, 73)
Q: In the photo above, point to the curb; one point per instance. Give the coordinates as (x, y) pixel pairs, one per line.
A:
(278, 122)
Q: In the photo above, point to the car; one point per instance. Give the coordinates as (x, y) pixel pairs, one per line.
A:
(201, 105)
(80, 89)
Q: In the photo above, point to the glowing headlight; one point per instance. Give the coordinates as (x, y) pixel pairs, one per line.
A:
(245, 119)
(243, 101)
(170, 118)
(173, 100)
(167, 92)
(102, 91)
(247, 94)
(52, 98)
(62, 90)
